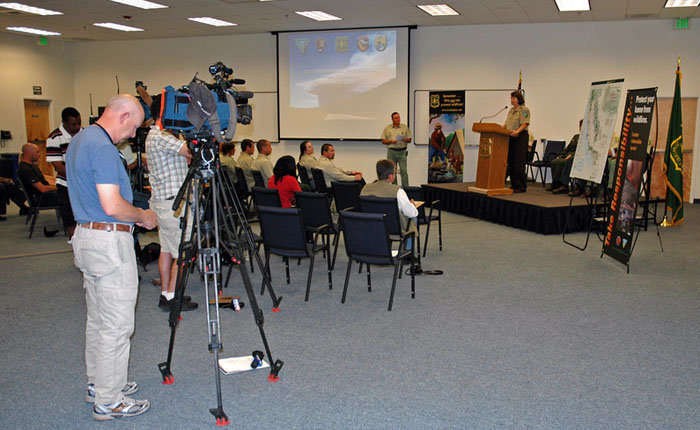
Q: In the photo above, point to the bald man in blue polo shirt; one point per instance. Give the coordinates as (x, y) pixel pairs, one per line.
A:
(103, 246)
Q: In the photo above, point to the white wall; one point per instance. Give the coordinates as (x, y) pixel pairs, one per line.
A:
(558, 61)
(25, 64)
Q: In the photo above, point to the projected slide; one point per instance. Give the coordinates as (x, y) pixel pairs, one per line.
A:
(341, 84)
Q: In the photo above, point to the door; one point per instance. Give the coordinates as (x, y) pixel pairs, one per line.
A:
(36, 117)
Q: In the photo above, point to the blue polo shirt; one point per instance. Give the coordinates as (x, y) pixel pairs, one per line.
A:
(92, 159)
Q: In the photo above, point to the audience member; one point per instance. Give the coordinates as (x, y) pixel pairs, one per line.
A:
(103, 247)
(169, 158)
(56, 147)
(36, 185)
(246, 162)
(284, 180)
(384, 186)
(307, 159)
(330, 171)
(561, 166)
(263, 163)
(228, 150)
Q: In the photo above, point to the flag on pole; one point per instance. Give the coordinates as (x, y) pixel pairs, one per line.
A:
(520, 81)
(673, 159)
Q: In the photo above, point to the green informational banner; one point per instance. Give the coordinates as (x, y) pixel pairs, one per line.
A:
(673, 160)
(446, 128)
(629, 170)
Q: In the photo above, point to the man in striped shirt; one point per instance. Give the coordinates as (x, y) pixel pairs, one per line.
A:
(56, 147)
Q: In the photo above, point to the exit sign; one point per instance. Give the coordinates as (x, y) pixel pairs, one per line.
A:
(36, 90)
(680, 24)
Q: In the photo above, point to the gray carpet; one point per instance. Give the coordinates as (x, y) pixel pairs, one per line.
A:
(521, 331)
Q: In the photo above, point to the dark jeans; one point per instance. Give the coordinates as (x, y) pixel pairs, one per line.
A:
(561, 169)
(517, 156)
(10, 192)
(66, 211)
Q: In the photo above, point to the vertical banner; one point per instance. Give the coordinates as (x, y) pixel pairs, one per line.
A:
(629, 169)
(446, 128)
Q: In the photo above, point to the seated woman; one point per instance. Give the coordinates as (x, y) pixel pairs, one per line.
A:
(284, 180)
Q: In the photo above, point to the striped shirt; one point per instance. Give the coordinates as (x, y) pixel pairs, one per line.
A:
(166, 168)
(56, 147)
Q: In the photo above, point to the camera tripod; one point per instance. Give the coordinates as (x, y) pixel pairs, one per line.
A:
(219, 231)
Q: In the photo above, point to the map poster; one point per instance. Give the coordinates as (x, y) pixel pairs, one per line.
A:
(446, 139)
(597, 130)
(629, 169)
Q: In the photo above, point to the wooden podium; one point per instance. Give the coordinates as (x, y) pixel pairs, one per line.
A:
(493, 158)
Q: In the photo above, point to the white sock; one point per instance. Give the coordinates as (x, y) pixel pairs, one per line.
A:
(168, 296)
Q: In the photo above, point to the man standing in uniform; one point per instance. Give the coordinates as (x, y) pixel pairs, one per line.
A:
(395, 136)
(167, 171)
(103, 247)
(517, 122)
(56, 147)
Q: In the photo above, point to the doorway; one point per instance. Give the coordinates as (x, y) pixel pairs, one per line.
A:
(36, 118)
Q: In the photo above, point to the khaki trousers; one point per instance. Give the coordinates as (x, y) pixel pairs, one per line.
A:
(110, 278)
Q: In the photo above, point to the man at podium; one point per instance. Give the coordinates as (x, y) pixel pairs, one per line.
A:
(517, 123)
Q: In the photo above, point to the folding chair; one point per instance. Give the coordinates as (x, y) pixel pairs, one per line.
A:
(316, 212)
(346, 195)
(320, 181)
(553, 148)
(266, 197)
(45, 201)
(258, 178)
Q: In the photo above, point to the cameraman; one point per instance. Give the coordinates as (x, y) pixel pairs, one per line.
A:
(168, 159)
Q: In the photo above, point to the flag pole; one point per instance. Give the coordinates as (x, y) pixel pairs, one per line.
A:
(666, 223)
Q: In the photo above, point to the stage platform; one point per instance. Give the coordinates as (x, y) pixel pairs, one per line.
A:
(536, 210)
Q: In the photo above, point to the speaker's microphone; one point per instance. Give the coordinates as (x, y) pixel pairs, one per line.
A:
(238, 81)
(497, 113)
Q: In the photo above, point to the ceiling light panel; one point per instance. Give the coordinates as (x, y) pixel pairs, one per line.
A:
(682, 3)
(438, 9)
(141, 4)
(30, 9)
(212, 21)
(34, 31)
(573, 5)
(318, 15)
(114, 26)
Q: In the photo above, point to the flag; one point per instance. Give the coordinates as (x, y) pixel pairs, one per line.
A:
(673, 159)
(520, 81)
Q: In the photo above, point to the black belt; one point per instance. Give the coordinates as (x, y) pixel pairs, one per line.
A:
(397, 149)
(170, 198)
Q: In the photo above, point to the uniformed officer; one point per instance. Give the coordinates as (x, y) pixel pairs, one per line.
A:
(396, 136)
(517, 123)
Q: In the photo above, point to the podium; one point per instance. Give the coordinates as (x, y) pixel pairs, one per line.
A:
(493, 158)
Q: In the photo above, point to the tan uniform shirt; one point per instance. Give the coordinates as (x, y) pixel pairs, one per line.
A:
(310, 162)
(264, 165)
(393, 133)
(518, 116)
(247, 163)
(333, 173)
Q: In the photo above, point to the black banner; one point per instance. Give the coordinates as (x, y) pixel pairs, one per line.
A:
(629, 170)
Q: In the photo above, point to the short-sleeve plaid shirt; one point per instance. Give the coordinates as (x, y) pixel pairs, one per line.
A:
(166, 168)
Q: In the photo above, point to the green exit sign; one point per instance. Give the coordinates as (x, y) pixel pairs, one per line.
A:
(681, 24)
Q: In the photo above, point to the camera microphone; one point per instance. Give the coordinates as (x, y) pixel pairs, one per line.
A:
(238, 81)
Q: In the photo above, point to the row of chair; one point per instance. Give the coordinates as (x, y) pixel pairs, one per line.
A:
(369, 232)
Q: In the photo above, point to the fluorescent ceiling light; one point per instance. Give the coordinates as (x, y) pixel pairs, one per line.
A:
(143, 4)
(318, 15)
(437, 9)
(34, 31)
(682, 3)
(573, 5)
(212, 21)
(30, 9)
(114, 26)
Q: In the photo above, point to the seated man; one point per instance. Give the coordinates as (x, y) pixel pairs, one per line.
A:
(39, 189)
(330, 171)
(246, 162)
(263, 163)
(228, 150)
(561, 166)
(384, 187)
(9, 191)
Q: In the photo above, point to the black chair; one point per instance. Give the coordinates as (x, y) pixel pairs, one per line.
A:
(418, 194)
(266, 197)
(284, 234)
(367, 241)
(319, 181)
(553, 148)
(346, 195)
(258, 178)
(304, 177)
(316, 212)
(241, 186)
(532, 156)
(37, 203)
